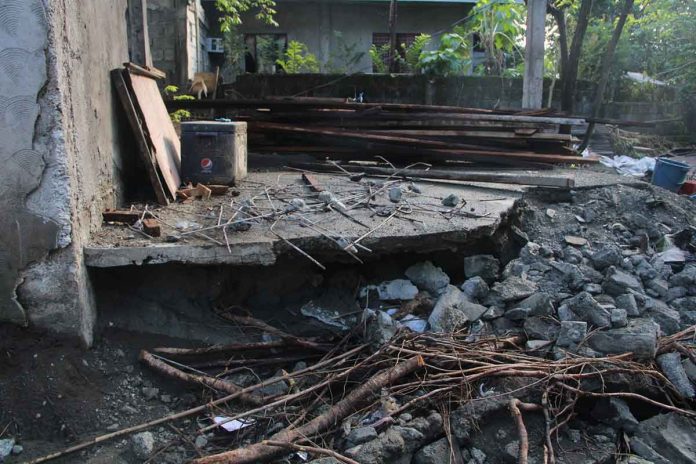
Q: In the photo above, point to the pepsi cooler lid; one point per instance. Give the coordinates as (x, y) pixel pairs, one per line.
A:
(213, 126)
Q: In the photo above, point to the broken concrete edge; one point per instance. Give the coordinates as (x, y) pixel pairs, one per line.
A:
(266, 253)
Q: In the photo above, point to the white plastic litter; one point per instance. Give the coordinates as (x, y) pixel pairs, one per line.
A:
(627, 166)
(232, 425)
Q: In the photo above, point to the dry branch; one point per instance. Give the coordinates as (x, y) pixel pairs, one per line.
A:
(260, 452)
(211, 382)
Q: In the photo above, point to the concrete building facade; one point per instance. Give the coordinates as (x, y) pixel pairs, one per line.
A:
(327, 26)
(61, 154)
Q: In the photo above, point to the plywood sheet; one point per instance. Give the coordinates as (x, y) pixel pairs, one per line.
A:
(141, 139)
(165, 142)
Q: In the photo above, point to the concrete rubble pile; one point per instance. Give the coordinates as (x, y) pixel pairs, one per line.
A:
(574, 347)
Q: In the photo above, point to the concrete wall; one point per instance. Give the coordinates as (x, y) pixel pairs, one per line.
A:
(468, 91)
(62, 158)
(177, 39)
(314, 23)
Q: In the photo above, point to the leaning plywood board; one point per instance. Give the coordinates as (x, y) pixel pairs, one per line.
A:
(134, 119)
(165, 142)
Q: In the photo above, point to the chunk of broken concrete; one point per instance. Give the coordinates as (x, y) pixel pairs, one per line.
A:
(380, 329)
(628, 302)
(571, 333)
(484, 266)
(575, 240)
(619, 317)
(672, 367)
(436, 452)
(360, 435)
(451, 200)
(539, 304)
(616, 413)
(607, 256)
(671, 436)
(398, 289)
(427, 276)
(667, 318)
(514, 289)
(454, 309)
(588, 310)
(618, 282)
(475, 288)
(541, 328)
(639, 338)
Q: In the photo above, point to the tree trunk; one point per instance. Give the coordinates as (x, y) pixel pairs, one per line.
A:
(607, 62)
(393, 63)
(570, 74)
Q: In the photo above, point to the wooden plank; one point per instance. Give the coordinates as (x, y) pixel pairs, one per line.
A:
(117, 76)
(124, 216)
(163, 138)
(439, 174)
(147, 71)
(484, 134)
(313, 182)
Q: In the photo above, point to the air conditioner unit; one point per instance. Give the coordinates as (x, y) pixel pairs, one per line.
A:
(215, 45)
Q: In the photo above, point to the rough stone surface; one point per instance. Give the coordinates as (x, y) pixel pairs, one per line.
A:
(608, 256)
(143, 444)
(671, 436)
(6, 445)
(619, 317)
(639, 338)
(485, 266)
(539, 304)
(514, 289)
(618, 282)
(453, 309)
(672, 367)
(628, 302)
(437, 452)
(615, 413)
(541, 328)
(667, 318)
(427, 276)
(360, 435)
(475, 288)
(588, 310)
(571, 333)
(399, 289)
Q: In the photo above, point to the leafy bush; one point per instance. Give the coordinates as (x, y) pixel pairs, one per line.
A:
(297, 59)
(451, 57)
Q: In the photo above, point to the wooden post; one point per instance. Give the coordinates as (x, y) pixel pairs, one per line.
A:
(392, 36)
(533, 87)
(139, 38)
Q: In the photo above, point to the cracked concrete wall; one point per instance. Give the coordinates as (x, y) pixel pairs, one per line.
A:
(61, 153)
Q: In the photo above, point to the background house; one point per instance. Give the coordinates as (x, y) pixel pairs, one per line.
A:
(185, 37)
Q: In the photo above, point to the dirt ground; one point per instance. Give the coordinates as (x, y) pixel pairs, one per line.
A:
(54, 393)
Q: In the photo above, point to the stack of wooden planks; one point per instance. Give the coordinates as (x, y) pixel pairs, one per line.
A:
(350, 130)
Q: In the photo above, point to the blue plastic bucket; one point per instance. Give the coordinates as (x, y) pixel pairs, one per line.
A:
(670, 174)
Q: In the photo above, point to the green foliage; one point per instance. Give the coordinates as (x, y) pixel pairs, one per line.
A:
(297, 59)
(412, 53)
(451, 57)
(343, 56)
(233, 9)
(500, 25)
(378, 56)
(171, 91)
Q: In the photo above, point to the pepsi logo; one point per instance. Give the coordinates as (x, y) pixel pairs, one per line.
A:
(206, 163)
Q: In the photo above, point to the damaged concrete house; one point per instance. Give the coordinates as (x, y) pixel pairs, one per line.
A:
(479, 260)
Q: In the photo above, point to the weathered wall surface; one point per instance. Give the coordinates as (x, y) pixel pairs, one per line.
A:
(61, 153)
